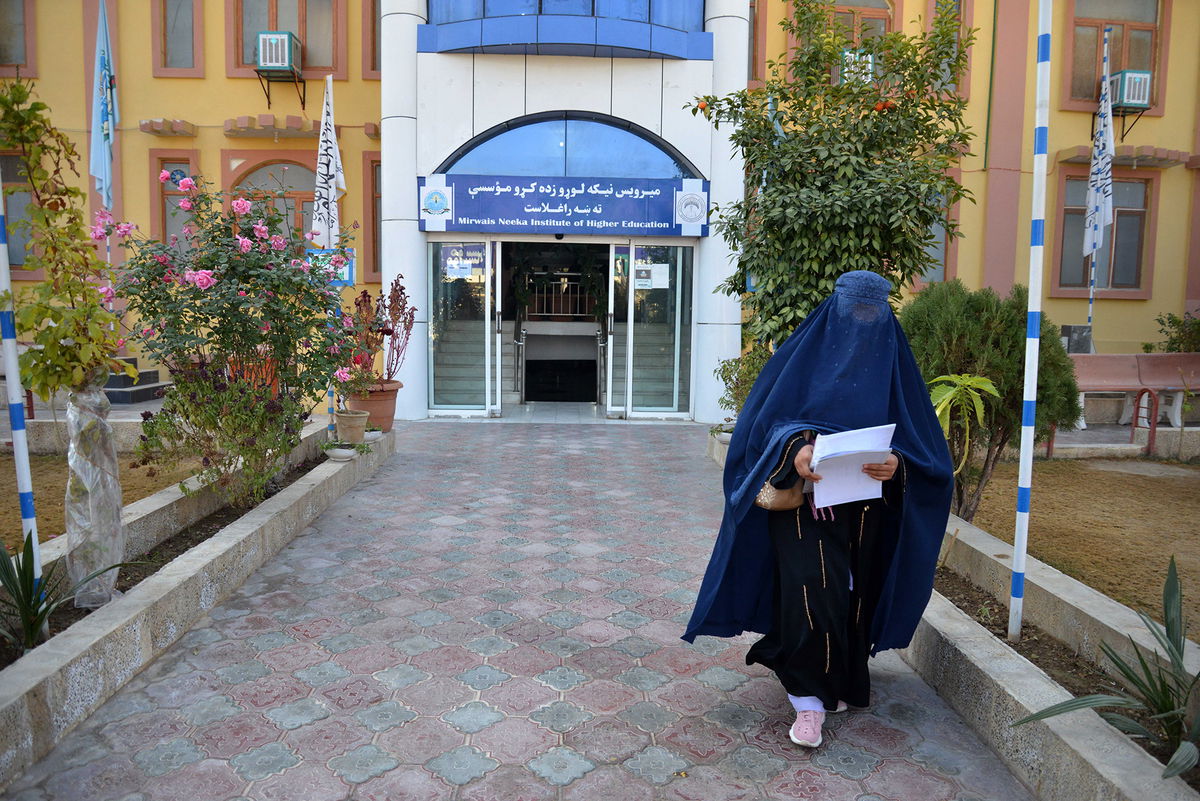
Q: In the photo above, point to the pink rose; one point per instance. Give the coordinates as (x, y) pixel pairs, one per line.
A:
(342, 375)
(242, 292)
(347, 322)
(173, 241)
(104, 217)
(264, 327)
(278, 242)
(243, 243)
(334, 349)
(241, 206)
(311, 235)
(185, 204)
(162, 259)
(164, 176)
(187, 184)
(106, 292)
(125, 229)
(99, 232)
(120, 343)
(147, 330)
(338, 260)
(203, 279)
(260, 229)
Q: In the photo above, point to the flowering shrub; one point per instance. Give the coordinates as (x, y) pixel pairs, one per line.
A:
(67, 316)
(247, 327)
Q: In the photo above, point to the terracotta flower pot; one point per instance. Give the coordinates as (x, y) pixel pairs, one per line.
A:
(350, 425)
(379, 402)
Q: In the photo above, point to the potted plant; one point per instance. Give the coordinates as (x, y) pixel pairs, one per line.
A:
(350, 382)
(383, 326)
(338, 450)
(372, 434)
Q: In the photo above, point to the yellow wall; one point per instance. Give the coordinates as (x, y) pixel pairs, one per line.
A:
(1121, 325)
(206, 102)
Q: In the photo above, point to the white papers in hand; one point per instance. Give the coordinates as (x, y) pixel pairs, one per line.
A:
(839, 458)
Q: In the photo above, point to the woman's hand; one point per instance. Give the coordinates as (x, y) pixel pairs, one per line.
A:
(803, 464)
(880, 472)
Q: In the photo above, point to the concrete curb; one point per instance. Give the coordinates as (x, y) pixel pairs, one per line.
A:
(48, 692)
(1075, 757)
(156, 517)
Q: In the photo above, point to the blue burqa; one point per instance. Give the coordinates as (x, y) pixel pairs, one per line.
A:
(847, 366)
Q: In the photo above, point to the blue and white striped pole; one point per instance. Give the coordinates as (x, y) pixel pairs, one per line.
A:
(1033, 325)
(332, 428)
(16, 400)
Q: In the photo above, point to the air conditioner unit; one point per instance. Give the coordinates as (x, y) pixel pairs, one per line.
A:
(1129, 90)
(278, 53)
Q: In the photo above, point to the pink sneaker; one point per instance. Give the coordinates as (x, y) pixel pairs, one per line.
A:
(806, 730)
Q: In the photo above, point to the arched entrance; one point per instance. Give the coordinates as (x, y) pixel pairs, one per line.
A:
(595, 309)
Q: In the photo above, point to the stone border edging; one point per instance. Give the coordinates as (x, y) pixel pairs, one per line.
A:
(46, 693)
(164, 514)
(1074, 757)
(1068, 610)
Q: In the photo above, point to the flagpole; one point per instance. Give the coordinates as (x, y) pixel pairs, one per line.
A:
(16, 401)
(1033, 325)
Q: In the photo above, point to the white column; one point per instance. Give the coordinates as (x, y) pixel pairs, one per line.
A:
(403, 245)
(719, 316)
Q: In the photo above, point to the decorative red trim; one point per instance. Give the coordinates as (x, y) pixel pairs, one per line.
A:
(758, 73)
(157, 156)
(158, 47)
(1067, 103)
(29, 68)
(233, 45)
(1150, 236)
(370, 16)
(368, 260)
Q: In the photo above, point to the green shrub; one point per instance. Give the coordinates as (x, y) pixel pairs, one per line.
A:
(738, 376)
(1182, 334)
(954, 330)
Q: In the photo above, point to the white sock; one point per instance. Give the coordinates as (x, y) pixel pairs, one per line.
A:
(806, 703)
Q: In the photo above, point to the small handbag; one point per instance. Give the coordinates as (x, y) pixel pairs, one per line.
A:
(774, 499)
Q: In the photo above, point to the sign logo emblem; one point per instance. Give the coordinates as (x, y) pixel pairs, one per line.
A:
(435, 203)
(690, 207)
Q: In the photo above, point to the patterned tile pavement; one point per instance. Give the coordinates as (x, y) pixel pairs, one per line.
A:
(495, 615)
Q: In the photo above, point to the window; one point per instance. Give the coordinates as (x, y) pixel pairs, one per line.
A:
(1133, 43)
(169, 219)
(15, 208)
(17, 38)
(178, 30)
(317, 23)
(1119, 261)
(684, 15)
(372, 28)
(372, 236)
(294, 181)
(937, 249)
(567, 147)
(865, 19)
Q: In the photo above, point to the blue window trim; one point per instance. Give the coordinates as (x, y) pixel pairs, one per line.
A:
(590, 116)
(565, 35)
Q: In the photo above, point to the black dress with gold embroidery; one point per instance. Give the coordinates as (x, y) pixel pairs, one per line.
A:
(829, 570)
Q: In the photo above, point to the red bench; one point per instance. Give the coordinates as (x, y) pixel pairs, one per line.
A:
(1166, 375)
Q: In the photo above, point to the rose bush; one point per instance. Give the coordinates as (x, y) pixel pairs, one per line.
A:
(248, 329)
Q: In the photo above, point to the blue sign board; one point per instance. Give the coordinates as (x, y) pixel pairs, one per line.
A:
(597, 206)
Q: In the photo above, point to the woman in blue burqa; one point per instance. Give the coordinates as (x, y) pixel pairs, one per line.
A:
(828, 587)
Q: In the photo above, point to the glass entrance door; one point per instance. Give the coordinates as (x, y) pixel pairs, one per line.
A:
(650, 324)
(460, 306)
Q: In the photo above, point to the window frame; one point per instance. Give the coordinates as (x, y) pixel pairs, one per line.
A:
(1151, 178)
(1162, 35)
(157, 157)
(158, 45)
(252, 160)
(860, 13)
(966, 13)
(19, 272)
(370, 269)
(234, 68)
(371, 20)
(28, 69)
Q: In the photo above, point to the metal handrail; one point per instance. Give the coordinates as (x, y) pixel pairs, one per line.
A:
(601, 364)
(519, 364)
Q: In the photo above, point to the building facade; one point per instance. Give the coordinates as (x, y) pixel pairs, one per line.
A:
(527, 166)
(532, 168)
(1150, 264)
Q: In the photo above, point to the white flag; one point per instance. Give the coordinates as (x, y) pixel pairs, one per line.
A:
(331, 181)
(1100, 189)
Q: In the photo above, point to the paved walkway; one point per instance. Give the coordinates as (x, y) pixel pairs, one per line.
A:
(496, 615)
